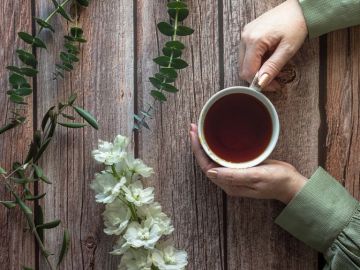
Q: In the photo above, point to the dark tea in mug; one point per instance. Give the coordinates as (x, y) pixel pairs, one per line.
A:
(238, 127)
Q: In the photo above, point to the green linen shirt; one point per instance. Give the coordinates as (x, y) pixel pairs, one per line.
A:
(327, 218)
(323, 16)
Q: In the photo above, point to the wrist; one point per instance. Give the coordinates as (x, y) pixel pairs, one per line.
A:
(295, 183)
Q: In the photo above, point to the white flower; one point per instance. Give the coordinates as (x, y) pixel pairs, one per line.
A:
(135, 194)
(153, 211)
(121, 247)
(116, 217)
(142, 235)
(107, 187)
(135, 260)
(138, 167)
(169, 258)
(111, 153)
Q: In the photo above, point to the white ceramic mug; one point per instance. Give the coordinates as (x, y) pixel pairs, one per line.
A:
(255, 91)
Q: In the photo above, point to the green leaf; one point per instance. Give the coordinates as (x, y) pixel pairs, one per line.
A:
(14, 69)
(164, 78)
(44, 24)
(2, 171)
(178, 63)
(71, 48)
(64, 247)
(184, 30)
(169, 88)
(84, 3)
(22, 205)
(30, 72)
(180, 13)
(34, 198)
(88, 117)
(162, 60)
(169, 72)
(175, 44)
(168, 51)
(68, 116)
(14, 123)
(72, 99)
(37, 138)
(76, 32)
(176, 4)
(166, 28)
(46, 118)
(26, 37)
(158, 95)
(27, 58)
(42, 148)
(17, 80)
(38, 171)
(49, 225)
(71, 125)
(26, 268)
(45, 179)
(17, 99)
(146, 114)
(63, 13)
(32, 152)
(23, 91)
(63, 67)
(39, 219)
(8, 204)
(155, 82)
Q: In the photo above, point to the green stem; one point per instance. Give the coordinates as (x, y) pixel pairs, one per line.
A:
(53, 13)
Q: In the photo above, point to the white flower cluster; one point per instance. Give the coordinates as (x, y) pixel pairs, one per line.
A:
(131, 212)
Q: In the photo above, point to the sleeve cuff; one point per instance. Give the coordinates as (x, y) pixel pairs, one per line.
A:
(323, 16)
(319, 212)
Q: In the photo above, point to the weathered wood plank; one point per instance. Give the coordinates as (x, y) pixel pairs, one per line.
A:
(17, 247)
(104, 81)
(343, 108)
(195, 205)
(254, 241)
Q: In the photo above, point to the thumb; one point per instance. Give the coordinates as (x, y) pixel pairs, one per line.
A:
(271, 68)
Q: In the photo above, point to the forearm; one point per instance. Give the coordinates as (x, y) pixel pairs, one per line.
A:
(323, 16)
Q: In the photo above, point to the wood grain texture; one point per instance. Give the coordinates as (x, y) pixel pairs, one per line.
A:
(253, 240)
(16, 247)
(343, 108)
(194, 204)
(104, 83)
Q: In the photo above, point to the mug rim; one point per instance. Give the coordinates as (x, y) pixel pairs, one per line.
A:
(274, 119)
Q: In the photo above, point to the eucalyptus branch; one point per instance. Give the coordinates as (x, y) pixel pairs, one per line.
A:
(170, 62)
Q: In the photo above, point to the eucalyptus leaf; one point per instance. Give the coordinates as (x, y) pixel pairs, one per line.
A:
(166, 28)
(164, 78)
(76, 32)
(71, 48)
(38, 171)
(8, 204)
(64, 246)
(72, 99)
(23, 91)
(14, 123)
(184, 30)
(2, 170)
(178, 13)
(35, 198)
(68, 116)
(156, 82)
(171, 52)
(26, 268)
(63, 13)
(178, 63)
(27, 58)
(45, 179)
(17, 80)
(176, 4)
(32, 152)
(30, 72)
(14, 69)
(71, 125)
(169, 72)
(39, 219)
(46, 118)
(17, 99)
(162, 60)
(22, 204)
(37, 138)
(175, 44)
(49, 225)
(169, 88)
(44, 24)
(158, 95)
(36, 42)
(88, 117)
(42, 148)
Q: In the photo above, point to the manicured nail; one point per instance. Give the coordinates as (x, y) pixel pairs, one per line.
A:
(212, 174)
(264, 80)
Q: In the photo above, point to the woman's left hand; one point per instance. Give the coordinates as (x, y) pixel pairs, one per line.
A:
(270, 180)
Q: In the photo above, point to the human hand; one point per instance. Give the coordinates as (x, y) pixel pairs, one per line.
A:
(277, 34)
(271, 180)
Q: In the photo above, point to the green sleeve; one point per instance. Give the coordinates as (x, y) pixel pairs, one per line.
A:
(327, 218)
(323, 16)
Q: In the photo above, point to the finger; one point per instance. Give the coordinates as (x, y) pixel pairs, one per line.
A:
(233, 177)
(252, 62)
(271, 68)
(202, 159)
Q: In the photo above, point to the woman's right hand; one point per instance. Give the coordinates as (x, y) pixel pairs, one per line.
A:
(277, 34)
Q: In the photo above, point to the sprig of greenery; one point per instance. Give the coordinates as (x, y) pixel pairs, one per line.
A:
(170, 62)
(23, 175)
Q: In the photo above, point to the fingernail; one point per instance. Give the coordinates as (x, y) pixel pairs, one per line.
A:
(264, 80)
(212, 174)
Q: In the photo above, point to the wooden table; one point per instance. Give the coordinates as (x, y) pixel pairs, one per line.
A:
(319, 113)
